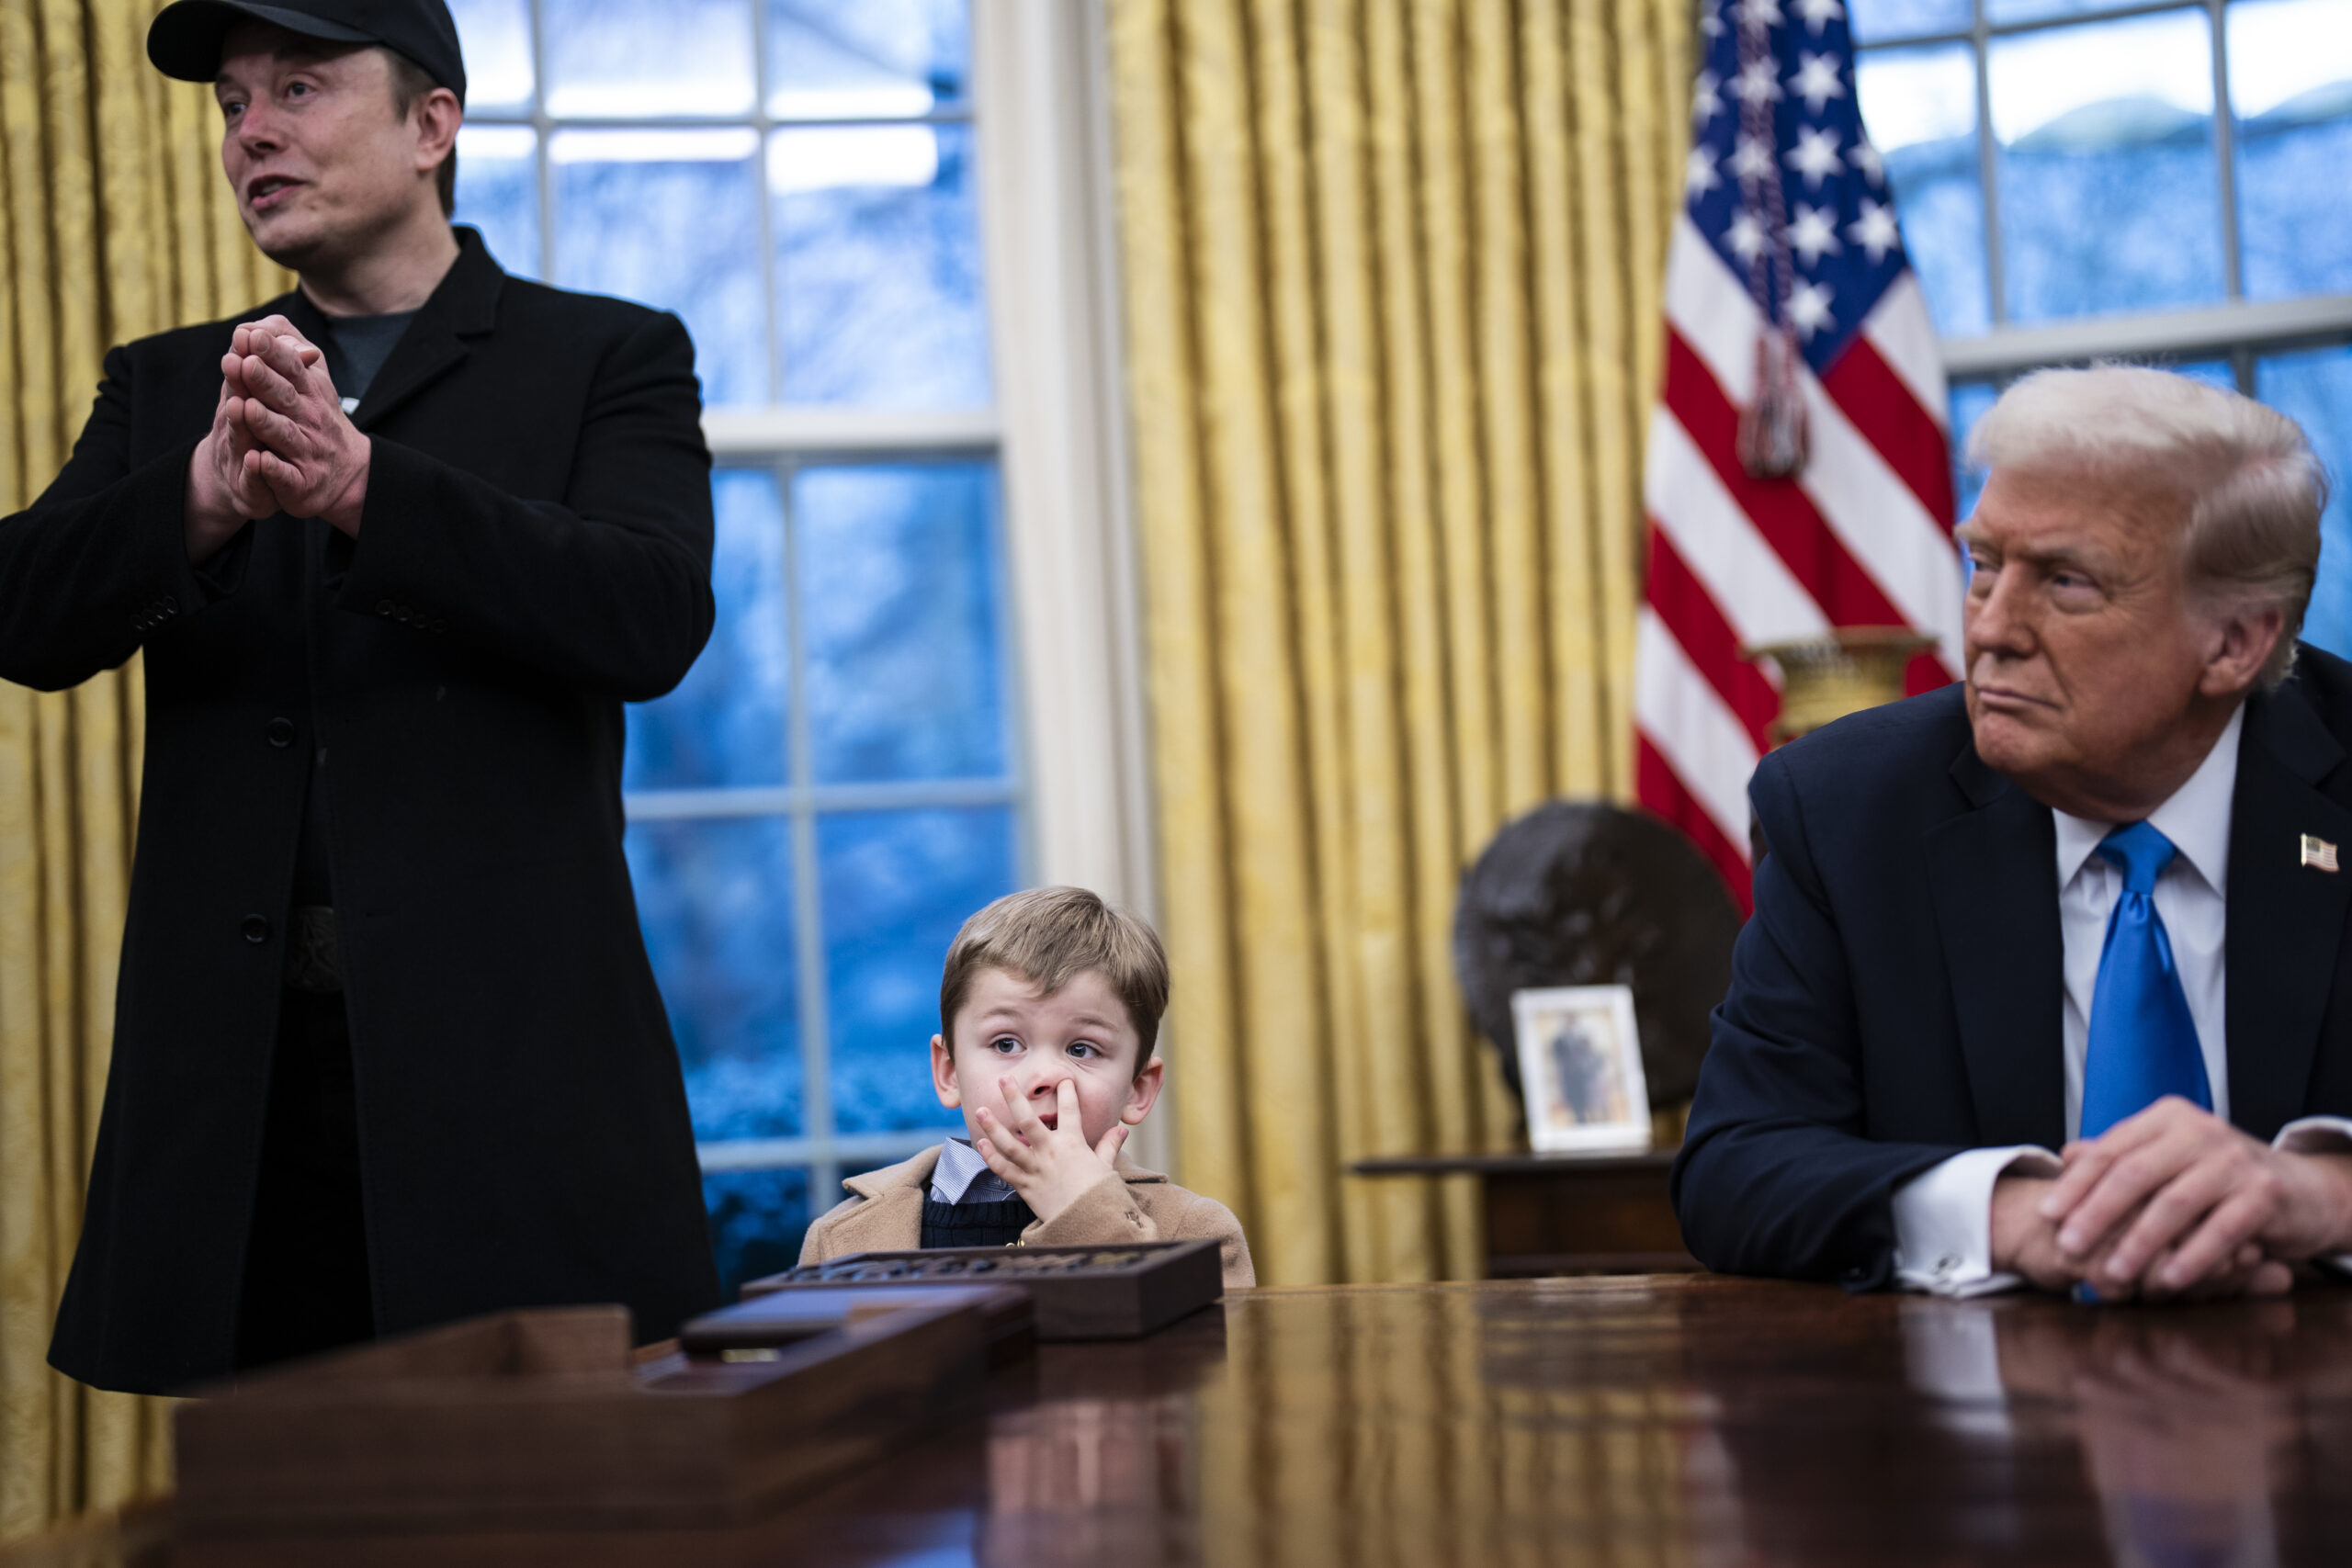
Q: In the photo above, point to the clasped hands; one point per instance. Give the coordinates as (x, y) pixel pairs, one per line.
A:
(279, 441)
(1049, 1166)
(2173, 1202)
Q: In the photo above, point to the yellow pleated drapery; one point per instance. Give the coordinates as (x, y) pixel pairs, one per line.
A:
(1392, 282)
(119, 223)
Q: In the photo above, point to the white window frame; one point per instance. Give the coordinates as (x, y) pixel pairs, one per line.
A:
(2238, 330)
(1079, 779)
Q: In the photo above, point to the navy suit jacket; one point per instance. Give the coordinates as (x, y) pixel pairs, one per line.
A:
(1897, 998)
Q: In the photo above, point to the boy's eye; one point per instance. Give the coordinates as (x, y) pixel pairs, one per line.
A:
(1082, 1050)
(1004, 1045)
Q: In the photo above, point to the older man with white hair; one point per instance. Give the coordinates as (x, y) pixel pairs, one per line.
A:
(2048, 981)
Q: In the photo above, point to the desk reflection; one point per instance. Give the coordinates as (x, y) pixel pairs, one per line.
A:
(1089, 1482)
(2193, 1424)
(1091, 1452)
(1671, 1422)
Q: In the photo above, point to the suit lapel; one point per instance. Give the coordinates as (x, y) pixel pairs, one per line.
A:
(2286, 920)
(1994, 875)
(463, 307)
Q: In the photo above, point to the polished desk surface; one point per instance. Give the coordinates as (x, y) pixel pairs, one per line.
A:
(1521, 1164)
(1661, 1421)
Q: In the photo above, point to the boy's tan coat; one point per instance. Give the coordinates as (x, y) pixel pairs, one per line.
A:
(886, 1215)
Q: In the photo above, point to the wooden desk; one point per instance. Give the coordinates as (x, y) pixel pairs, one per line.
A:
(1555, 1214)
(1677, 1420)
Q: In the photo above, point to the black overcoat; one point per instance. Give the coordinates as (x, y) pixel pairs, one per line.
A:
(533, 551)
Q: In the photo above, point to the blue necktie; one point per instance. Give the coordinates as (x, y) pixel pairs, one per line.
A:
(2143, 1042)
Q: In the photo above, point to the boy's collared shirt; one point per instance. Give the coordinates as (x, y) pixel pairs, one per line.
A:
(963, 1176)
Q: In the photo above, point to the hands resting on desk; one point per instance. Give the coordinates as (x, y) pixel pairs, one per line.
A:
(2173, 1202)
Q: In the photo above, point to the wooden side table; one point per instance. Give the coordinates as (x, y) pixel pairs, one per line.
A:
(1554, 1214)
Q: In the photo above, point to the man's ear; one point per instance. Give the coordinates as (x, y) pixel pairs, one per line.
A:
(1143, 1091)
(943, 1075)
(438, 115)
(2248, 634)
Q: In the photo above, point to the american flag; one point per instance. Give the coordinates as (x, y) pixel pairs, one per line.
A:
(1799, 473)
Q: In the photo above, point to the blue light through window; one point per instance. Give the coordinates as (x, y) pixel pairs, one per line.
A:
(834, 788)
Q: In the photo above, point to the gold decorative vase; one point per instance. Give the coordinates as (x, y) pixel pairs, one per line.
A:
(1826, 678)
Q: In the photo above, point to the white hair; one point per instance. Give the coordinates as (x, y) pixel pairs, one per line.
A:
(2250, 484)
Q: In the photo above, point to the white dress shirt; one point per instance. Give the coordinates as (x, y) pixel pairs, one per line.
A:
(1943, 1217)
(963, 1176)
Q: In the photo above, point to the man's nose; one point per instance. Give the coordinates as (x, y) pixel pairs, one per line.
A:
(1997, 622)
(256, 130)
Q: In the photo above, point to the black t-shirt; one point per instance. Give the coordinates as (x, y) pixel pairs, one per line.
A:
(355, 349)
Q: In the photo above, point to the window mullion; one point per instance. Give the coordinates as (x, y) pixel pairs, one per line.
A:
(545, 125)
(807, 924)
(1988, 174)
(770, 299)
(2224, 150)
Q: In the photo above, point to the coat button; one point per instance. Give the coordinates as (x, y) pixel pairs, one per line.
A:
(383, 606)
(256, 929)
(281, 732)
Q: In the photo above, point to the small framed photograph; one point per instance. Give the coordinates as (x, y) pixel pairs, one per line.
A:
(1580, 1069)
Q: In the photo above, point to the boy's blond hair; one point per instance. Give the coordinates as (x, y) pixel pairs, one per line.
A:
(1048, 936)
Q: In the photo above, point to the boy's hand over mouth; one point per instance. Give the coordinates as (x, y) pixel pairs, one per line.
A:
(1049, 1166)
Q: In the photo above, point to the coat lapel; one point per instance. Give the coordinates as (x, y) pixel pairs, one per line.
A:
(891, 1223)
(2286, 920)
(464, 305)
(1994, 875)
(889, 1218)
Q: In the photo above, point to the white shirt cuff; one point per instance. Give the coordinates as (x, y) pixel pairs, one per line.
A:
(2315, 1135)
(2319, 1135)
(1943, 1220)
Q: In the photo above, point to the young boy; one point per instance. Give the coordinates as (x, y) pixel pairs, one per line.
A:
(1048, 1009)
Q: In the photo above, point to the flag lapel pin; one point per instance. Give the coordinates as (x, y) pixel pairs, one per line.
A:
(2319, 852)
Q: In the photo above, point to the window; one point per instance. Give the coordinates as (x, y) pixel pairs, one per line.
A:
(839, 781)
(2082, 180)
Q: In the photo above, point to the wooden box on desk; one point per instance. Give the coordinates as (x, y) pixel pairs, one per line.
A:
(766, 1319)
(1550, 1214)
(1117, 1290)
(545, 1419)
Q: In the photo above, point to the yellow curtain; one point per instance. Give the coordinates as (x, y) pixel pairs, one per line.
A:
(1392, 276)
(118, 224)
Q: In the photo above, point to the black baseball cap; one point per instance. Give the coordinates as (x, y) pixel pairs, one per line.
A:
(185, 39)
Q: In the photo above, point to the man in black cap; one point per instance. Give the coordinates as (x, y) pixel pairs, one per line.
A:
(387, 1050)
